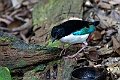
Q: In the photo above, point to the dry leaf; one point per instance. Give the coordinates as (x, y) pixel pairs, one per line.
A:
(115, 15)
(114, 69)
(111, 60)
(16, 3)
(111, 21)
(116, 45)
(103, 32)
(105, 50)
(118, 37)
(118, 51)
(93, 55)
(117, 1)
(96, 35)
(109, 32)
(14, 24)
(119, 29)
(96, 1)
(5, 21)
(118, 78)
(113, 64)
(104, 5)
(113, 2)
(99, 11)
(103, 21)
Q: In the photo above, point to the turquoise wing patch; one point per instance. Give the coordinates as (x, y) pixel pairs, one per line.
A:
(84, 30)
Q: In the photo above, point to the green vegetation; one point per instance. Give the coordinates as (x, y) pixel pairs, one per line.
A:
(53, 62)
(5, 73)
(39, 68)
(7, 39)
(39, 16)
(21, 63)
(54, 44)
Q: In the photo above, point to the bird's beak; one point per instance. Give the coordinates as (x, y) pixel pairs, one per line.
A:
(53, 39)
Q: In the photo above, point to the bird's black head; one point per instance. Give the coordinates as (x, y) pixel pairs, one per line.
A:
(57, 33)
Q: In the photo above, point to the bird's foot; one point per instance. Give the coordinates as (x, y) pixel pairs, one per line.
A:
(74, 56)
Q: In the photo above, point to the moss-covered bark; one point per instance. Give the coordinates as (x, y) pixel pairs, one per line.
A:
(16, 53)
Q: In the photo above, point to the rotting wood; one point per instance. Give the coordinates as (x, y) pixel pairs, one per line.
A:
(16, 53)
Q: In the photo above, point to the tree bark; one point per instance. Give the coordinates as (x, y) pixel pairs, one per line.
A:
(16, 53)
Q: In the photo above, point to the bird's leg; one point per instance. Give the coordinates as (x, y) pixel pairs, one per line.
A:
(74, 56)
(64, 50)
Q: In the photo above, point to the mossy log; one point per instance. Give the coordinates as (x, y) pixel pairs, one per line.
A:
(16, 53)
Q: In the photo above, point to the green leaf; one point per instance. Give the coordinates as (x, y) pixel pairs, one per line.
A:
(5, 73)
(1, 78)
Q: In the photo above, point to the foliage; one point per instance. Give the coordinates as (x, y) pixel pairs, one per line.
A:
(54, 44)
(5, 73)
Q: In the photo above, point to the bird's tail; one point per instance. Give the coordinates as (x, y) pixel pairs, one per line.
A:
(95, 23)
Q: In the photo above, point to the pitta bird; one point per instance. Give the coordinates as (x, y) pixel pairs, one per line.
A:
(72, 32)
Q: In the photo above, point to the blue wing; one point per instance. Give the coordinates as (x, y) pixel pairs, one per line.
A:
(84, 30)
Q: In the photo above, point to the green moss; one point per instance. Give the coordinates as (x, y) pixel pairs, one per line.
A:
(41, 19)
(20, 63)
(53, 62)
(7, 39)
(48, 5)
(37, 52)
(66, 45)
(2, 39)
(40, 67)
(30, 47)
(54, 44)
(35, 22)
(40, 15)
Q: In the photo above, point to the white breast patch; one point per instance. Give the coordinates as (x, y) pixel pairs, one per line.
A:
(72, 39)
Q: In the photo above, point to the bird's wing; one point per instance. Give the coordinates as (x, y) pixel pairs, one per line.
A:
(81, 31)
(84, 30)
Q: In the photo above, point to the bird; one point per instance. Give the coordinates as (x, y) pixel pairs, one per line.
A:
(73, 32)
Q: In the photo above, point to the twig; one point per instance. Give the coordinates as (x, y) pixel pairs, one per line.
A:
(24, 26)
(5, 20)
(3, 28)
